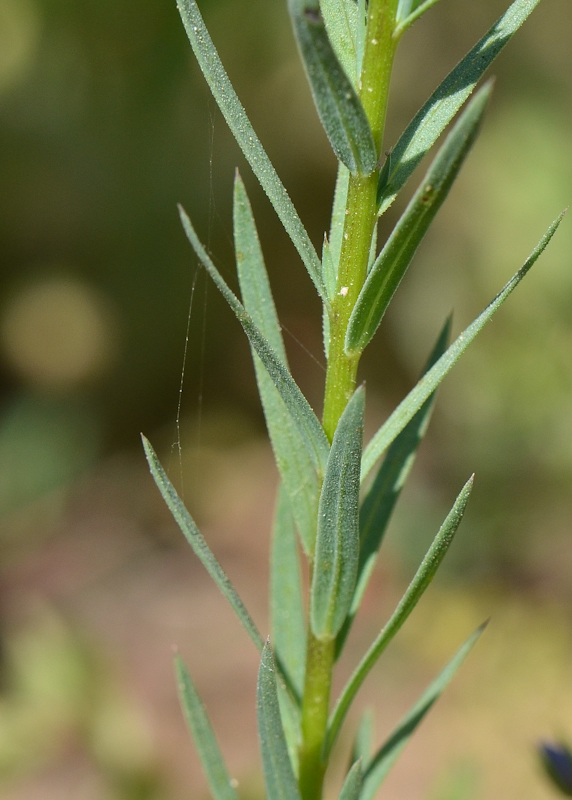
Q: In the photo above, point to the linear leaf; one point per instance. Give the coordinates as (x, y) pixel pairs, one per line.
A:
(242, 130)
(286, 608)
(364, 735)
(308, 424)
(379, 502)
(193, 536)
(423, 577)
(397, 254)
(353, 782)
(278, 774)
(337, 540)
(340, 18)
(339, 107)
(387, 755)
(293, 458)
(427, 385)
(410, 10)
(432, 119)
(203, 736)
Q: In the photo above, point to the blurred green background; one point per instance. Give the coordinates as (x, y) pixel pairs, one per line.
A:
(105, 124)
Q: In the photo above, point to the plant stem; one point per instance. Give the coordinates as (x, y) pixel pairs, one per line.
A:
(361, 211)
(315, 710)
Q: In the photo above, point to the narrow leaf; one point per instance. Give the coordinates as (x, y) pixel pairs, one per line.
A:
(293, 458)
(278, 774)
(337, 540)
(197, 542)
(339, 108)
(432, 119)
(340, 18)
(409, 11)
(313, 435)
(397, 254)
(286, 608)
(387, 755)
(361, 749)
(379, 502)
(415, 590)
(199, 725)
(235, 116)
(427, 385)
(353, 783)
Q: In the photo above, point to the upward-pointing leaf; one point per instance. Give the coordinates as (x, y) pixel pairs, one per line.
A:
(427, 385)
(235, 116)
(278, 774)
(312, 433)
(387, 755)
(410, 10)
(200, 547)
(340, 109)
(432, 119)
(293, 458)
(353, 782)
(341, 20)
(203, 735)
(397, 254)
(337, 541)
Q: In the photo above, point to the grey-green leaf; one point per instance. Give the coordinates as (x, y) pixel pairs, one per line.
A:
(363, 739)
(278, 774)
(397, 254)
(410, 10)
(387, 755)
(432, 119)
(286, 607)
(422, 579)
(340, 18)
(353, 783)
(293, 458)
(235, 116)
(379, 502)
(427, 385)
(312, 433)
(197, 542)
(339, 108)
(207, 747)
(337, 540)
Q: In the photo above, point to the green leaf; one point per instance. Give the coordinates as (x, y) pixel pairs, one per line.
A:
(235, 116)
(427, 385)
(387, 755)
(197, 542)
(199, 725)
(379, 502)
(432, 119)
(423, 577)
(363, 739)
(286, 608)
(339, 108)
(278, 774)
(353, 783)
(397, 254)
(312, 433)
(337, 541)
(410, 10)
(340, 18)
(293, 458)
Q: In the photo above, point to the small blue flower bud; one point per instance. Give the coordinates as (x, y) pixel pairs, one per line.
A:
(557, 761)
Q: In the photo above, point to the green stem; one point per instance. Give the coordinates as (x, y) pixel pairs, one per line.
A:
(315, 710)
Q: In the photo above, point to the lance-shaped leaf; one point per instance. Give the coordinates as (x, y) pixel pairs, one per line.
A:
(339, 108)
(312, 433)
(353, 783)
(337, 541)
(387, 755)
(432, 119)
(410, 10)
(203, 735)
(427, 385)
(286, 608)
(242, 130)
(341, 20)
(415, 590)
(293, 458)
(379, 502)
(193, 536)
(278, 774)
(397, 254)
(361, 749)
